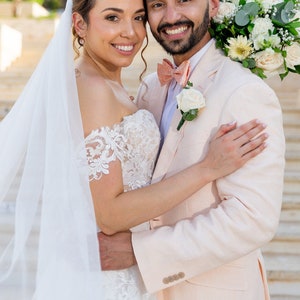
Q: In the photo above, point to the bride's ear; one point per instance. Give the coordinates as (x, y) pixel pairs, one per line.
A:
(79, 24)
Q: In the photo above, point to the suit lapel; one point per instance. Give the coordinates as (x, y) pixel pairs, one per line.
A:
(169, 148)
(202, 77)
(204, 73)
(156, 106)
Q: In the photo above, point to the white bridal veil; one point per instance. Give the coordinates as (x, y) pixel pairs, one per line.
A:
(41, 140)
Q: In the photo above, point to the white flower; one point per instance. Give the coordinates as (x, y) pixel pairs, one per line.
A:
(190, 98)
(261, 42)
(235, 2)
(239, 48)
(267, 4)
(293, 55)
(226, 10)
(189, 101)
(262, 26)
(274, 40)
(258, 42)
(270, 61)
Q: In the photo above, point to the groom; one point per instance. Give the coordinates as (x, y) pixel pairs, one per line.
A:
(209, 246)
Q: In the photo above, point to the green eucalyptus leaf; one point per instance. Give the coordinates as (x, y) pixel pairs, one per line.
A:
(252, 8)
(241, 18)
(284, 12)
(249, 63)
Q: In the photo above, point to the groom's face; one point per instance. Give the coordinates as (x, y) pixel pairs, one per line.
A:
(181, 26)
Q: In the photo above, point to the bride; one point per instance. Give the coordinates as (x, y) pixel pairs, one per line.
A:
(86, 154)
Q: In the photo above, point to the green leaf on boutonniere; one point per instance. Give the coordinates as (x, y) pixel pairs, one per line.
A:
(188, 116)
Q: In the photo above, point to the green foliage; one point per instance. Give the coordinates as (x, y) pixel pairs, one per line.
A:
(263, 28)
(243, 16)
(54, 4)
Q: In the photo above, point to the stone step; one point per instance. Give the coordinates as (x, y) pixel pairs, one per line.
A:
(292, 160)
(288, 232)
(292, 175)
(291, 215)
(289, 99)
(293, 141)
(283, 267)
(282, 247)
(291, 200)
(284, 290)
(284, 88)
(292, 182)
(292, 115)
(291, 188)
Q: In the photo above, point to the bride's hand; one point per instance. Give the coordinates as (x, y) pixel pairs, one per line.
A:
(231, 147)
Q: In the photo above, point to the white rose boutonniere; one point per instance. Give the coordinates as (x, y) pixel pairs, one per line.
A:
(189, 101)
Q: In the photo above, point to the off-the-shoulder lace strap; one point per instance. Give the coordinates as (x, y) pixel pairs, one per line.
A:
(103, 146)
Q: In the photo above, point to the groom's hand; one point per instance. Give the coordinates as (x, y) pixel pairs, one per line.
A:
(116, 251)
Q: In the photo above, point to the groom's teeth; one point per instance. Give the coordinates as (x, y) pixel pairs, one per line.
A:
(176, 31)
(124, 48)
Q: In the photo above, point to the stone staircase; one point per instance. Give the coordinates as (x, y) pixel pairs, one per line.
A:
(36, 35)
(282, 254)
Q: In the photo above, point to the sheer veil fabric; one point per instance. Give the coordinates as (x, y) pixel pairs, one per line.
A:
(42, 139)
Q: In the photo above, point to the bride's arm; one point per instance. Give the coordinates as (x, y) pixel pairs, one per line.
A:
(117, 210)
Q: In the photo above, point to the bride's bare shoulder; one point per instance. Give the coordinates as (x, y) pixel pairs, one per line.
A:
(97, 102)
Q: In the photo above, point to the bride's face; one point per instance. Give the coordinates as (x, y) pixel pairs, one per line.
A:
(115, 31)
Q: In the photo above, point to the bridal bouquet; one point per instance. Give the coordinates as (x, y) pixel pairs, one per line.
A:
(263, 35)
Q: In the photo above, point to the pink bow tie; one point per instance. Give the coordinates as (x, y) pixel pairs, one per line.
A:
(166, 72)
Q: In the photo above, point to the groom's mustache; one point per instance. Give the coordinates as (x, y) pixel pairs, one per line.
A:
(164, 26)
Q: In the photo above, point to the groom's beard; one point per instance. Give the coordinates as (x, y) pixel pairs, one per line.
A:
(177, 46)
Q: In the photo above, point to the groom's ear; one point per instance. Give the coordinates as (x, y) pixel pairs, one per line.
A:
(213, 7)
(79, 24)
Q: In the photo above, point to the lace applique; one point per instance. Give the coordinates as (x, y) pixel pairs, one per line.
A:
(125, 285)
(102, 147)
(134, 142)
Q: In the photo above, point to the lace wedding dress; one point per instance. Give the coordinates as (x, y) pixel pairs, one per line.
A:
(135, 143)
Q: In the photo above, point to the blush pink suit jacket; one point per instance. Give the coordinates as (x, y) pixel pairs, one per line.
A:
(213, 251)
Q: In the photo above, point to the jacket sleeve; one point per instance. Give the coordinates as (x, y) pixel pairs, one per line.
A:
(247, 215)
